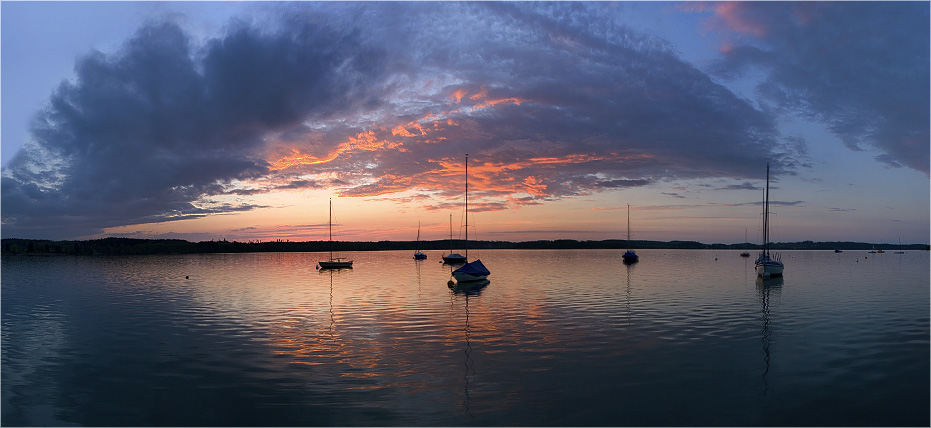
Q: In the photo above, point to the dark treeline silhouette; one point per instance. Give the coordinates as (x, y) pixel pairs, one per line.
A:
(127, 246)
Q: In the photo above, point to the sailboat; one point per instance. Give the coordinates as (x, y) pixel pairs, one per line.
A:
(471, 271)
(334, 262)
(419, 255)
(630, 256)
(766, 265)
(452, 258)
(900, 244)
(745, 253)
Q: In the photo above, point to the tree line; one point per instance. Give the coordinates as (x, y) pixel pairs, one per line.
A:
(134, 246)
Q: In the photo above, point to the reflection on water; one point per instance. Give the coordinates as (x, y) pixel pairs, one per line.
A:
(766, 287)
(628, 267)
(265, 339)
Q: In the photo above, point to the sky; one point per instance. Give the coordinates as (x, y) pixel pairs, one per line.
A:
(242, 120)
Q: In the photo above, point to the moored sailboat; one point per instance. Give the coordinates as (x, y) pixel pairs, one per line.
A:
(452, 258)
(418, 255)
(767, 265)
(334, 262)
(630, 256)
(471, 271)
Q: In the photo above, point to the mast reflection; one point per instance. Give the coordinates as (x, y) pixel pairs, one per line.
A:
(630, 266)
(765, 289)
(467, 290)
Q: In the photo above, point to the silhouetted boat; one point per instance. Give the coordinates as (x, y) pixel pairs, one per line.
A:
(452, 258)
(334, 262)
(419, 255)
(900, 244)
(745, 253)
(471, 271)
(766, 264)
(838, 251)
(630, 256)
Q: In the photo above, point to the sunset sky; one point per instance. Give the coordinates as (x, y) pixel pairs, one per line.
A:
(239, 121)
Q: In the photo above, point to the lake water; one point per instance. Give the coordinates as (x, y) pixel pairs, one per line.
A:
(556, 337)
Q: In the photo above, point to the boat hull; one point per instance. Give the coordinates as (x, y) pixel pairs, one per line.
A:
(769, 269)
(454, 258)
(465, 277)
(471, 272)
(335, 265)
(419, 256)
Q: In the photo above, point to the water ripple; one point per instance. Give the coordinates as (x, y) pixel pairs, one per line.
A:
(555, 338)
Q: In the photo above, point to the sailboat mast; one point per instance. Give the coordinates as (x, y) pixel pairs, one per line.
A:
(467, 207)
(766, 215)
(628, 227)
(330, 236)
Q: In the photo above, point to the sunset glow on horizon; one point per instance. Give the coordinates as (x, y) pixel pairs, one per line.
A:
(189, 122)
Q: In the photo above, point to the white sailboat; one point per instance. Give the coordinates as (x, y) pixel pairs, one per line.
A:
(419, 255)
(334, 262)
(766, 264)
(452, 258)
(471, 271)
(630, 256)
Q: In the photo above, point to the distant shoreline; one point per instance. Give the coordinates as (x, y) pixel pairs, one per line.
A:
(133, 246)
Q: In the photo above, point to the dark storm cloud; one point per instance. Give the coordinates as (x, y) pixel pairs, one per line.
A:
(529, 83)
(860, 67)
(552, 99)
(147, 133)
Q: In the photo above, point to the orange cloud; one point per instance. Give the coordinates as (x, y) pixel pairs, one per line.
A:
(457, 95)
(732, 15)
(298, 158)
(480, 94)
(402, 131)
(535, 186)
(483, 95)
(365, 141)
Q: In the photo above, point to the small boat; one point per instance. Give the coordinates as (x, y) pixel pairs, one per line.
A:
(419, 255)
(334, 262)
(630, 256)
(745, 253)
(838, 251)
(471, 271)
(452, 258)
(899, 252)
(767, 265)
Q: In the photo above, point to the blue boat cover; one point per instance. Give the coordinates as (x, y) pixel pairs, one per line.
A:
(475, 268)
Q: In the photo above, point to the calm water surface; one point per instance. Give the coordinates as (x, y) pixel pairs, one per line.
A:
(555, 338)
